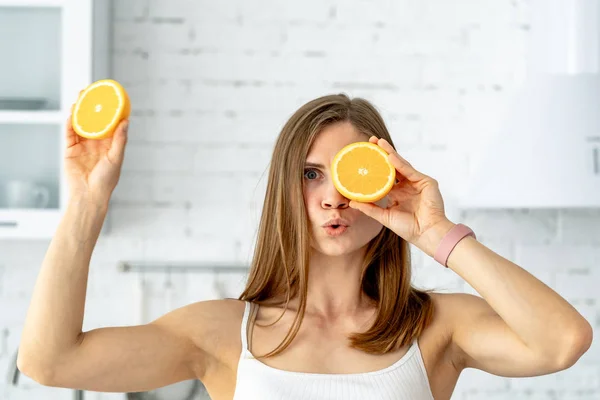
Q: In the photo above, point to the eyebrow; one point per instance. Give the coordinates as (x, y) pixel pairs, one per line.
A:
(316, 165)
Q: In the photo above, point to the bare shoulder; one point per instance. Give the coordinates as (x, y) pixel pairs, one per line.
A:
(453, 310)
(452, 302)
(219, 310)
(214, 327)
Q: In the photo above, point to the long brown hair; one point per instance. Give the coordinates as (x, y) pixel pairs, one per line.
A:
(279, 268)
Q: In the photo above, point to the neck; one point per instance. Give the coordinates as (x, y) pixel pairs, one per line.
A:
(334, 285)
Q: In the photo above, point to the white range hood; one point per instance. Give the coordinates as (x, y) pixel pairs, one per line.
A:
(546, 153)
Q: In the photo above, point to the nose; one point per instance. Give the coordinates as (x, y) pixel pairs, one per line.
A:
(333, 199)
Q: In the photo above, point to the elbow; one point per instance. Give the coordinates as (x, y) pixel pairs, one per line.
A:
(34, 370)
(578, 343)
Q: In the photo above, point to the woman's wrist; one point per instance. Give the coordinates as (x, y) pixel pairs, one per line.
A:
(89, 200)
(430, 240)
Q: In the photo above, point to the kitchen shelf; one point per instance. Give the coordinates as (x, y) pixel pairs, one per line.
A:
(144, 266)
(31, 117)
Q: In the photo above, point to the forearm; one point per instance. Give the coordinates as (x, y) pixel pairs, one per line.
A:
(55, 316)
(537, 314)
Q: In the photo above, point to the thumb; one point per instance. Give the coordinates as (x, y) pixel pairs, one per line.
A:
(369, 209)
(117, 148)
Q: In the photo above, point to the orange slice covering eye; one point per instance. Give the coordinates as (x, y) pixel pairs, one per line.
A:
(362, 172)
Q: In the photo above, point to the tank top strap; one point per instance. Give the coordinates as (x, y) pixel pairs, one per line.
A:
(250, 328)
(244, 327)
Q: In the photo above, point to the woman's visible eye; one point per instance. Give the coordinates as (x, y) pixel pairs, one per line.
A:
(313, 172)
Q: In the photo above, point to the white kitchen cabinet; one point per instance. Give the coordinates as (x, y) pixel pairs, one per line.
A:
(51, 49)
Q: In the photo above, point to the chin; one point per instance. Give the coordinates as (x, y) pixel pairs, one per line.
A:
(332, 252)
(337, 248)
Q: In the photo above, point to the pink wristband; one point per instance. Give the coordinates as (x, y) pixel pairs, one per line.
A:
(455, 235)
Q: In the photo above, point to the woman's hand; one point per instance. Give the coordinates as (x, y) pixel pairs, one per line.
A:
(415, 204)
(93, 167)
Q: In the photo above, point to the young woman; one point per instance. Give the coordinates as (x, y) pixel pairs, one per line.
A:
(324, 315)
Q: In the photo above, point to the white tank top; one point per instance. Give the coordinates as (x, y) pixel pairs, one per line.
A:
(405, 379)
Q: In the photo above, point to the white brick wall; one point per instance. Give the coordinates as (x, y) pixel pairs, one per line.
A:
(212, 82)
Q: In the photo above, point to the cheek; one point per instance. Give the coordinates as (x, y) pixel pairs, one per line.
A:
(369, 225)
(310, 204)
(368, 229)
(311, 195)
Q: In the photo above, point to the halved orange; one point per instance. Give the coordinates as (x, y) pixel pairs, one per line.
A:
(99, 109)
(361, 171)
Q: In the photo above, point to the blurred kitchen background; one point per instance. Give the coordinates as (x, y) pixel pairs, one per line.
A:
(496, 99)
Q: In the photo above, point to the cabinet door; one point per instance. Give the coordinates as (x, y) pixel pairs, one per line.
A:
(31, 118)
(30, 78)
(30, 179)
(30, 166)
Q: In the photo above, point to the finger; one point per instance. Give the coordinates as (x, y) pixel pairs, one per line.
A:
(388, 148)
(402, 166)
(405, 169)
(384, 144)
(116, 152)
(72, 137)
